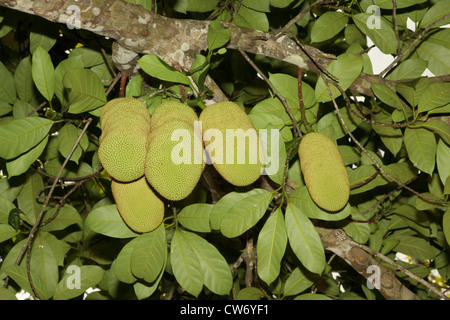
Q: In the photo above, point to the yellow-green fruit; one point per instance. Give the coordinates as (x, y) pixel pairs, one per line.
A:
(125, 126)
(174, 168)
(172, 110)
(243, 162)
(140, 208)
(324, 171)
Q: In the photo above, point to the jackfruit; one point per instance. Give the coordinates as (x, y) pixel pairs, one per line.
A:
(172, 110)
(324, 171)
(125, 124)
(140, 208)
(243, 162)
(174, 168)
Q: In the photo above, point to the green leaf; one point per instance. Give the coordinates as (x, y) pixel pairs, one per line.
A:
(67, 64)
(85, 90)
(299, 280)
(387, 95)
(7, 87)
(218, 36)
(312, 296)
(44, 36)
(195, 5)
(149, 254)
(421, 147)
(196, 217)
(346, 68)
(275, 153)
(90, 56)
(415, 247)
(66, 216)
(287, 86)
(280, 3)
(249, 18)
(7, 294)
(185, 264)
(43, 73)
(302, 201)
(23, 80)
(77, 280)
(19, 275)
(5, 208)
(304, 239)
(410, 69)
(437, 126)
(222, 206)
(387, 4)
(442, 160)
(328, 25)
(382, 35)
(6, 232)
(106, 220)
(22, 163)
(446, 226)
(20, 135)
(438, 57)
(26, 199)
(437, 94)
(44, 267)
(359, 231)
(121, 266)
(436, 12)
(272, 241)
(155, 67)
(67, 137)
(213, 266)
(250, 293)
(391, 137)
(245, 213)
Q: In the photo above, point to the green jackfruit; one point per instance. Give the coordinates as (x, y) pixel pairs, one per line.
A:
(172, 110)
(140, 208)
(125, 124)
(245, 165)
(174, 168)
(324, 171)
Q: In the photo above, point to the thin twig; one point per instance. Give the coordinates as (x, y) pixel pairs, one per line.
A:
(402, 269)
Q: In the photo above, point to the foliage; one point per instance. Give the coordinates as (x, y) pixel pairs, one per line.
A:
(394, 142)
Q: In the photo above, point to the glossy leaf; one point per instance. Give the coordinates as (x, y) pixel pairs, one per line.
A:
(106, 220)
(382, 35)
(299, 280)
(67, 137)
(85, 90)
(421, 147)
(155, 67)
(24, 81)
(196, 217)
(20, 135)
(43, 73)
(185, 264)
(7, 87)
(214, 268)
(21, 164)
(328, 25)
(76, 280)
(148, 256)
(436, 12)
(245, 213)
(218, 35)
(346, 68)
(271, 246)
(122, 264)
(304, 239)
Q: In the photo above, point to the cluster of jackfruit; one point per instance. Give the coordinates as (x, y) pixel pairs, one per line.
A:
(324, 171)
(125, 124)
(163, 156)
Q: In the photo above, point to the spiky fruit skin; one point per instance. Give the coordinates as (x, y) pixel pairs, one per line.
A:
(324, 171)
(140, 208)
(174, 181)
(125, 124)
(242, 169)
